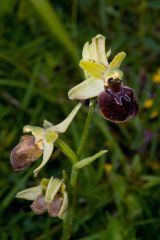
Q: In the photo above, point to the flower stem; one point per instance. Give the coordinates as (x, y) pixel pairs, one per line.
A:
(68, 220)
(86, 128)
(63, 147)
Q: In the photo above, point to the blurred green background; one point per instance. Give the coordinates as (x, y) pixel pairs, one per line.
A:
(40, 46)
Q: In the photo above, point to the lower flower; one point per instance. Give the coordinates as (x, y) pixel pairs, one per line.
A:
(50, 196)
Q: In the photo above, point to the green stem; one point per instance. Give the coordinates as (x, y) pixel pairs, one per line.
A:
(86, 128)
(63, 147)
(68, 220)
(74, 175)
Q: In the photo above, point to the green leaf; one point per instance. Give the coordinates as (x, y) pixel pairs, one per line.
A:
(56, 28)
(114, 230)
(85, 162)
(133, 206)
(150, 181)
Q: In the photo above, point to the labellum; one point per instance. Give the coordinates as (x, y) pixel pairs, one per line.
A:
(25, 152)
(38, 206)
(117, 103)
(55, 206)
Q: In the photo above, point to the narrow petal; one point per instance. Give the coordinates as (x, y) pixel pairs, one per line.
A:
(64, 205)
(117, 60)
(94, 69)
(30, 193)
(87, 89)
(48, 149)
(62, 127)
(53, 187)
(47, 124)
(108, 53)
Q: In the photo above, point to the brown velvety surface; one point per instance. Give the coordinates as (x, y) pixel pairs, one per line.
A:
(114, 111)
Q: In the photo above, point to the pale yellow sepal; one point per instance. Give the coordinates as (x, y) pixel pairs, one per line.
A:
(30, 193)
(87, 89)
(95, 51)
(62, 127)
(48, 149)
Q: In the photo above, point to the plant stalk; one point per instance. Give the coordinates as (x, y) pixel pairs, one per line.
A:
(86, 128)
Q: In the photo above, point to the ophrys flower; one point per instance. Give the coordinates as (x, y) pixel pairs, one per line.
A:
(42, 142)
(117, 102)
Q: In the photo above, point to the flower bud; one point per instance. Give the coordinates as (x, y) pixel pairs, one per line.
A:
(25, 152)
(118, 103)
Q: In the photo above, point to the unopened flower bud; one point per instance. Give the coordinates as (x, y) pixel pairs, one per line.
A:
(25, 152)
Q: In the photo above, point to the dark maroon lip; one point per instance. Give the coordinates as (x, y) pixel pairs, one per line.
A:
(118, 107)
(118, 95)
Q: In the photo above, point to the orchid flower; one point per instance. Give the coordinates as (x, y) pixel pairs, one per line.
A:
(41, 142)
(50, 195)
(117, 103)
(97, 69)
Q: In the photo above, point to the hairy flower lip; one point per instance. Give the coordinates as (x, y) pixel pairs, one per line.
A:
(118, 111)
(24, 153)
(38, 206)
(55, 206)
